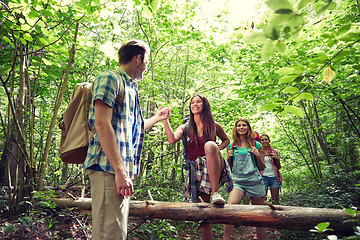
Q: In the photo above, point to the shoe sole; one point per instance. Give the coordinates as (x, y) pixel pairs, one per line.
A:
(219, 202)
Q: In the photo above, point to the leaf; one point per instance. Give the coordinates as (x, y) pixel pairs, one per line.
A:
(47, 13)
(328, 74)
(322, 226)
(295, 21)
(267, 107)
(25, 27)
(298, 98)
(239, 36)
(7, 229)
(303, 3)
(279, 4)
(8, 40)
(280, 46)
(327, 35)
(154, 5)
(287, 78)
(277, 100)
(280, 19)
(284, 11)
(256, 37)
(351, 37)
(344, 29)
(291, 90)
(308, 96)
(285, 71)
(342, 54)
(272, 32)
(295, 69)
(295, 110)
(267, 51)
(28, 37)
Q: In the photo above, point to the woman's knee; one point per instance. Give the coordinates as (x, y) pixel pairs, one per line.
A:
(211, 148)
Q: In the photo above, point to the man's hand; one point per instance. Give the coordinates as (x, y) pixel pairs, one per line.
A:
(124, 185)
(163, 113)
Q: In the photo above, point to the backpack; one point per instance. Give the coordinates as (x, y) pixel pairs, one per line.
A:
(74, 123)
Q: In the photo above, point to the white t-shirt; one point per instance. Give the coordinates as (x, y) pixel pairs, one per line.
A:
(269, 170)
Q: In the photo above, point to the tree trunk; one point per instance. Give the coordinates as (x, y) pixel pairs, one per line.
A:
(44, 158)
(285, 217)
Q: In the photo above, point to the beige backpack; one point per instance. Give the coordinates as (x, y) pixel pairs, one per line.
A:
(74, 124)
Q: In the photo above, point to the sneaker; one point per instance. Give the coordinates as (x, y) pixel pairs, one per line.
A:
(217, 199)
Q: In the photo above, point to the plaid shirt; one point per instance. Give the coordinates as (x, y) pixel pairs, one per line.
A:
(202, 176)
(127, 122)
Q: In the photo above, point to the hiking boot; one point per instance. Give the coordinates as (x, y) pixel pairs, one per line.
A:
(217, 199)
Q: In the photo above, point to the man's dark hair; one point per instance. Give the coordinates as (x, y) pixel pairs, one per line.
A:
(132, 48)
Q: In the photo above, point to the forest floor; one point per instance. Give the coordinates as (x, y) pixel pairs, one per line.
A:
(48, 223)
(77, 226)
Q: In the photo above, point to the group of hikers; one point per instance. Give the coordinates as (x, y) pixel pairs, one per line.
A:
(113, 155)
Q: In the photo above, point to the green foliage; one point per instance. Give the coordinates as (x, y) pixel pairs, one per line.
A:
(8, 228)
(156, 229)
(294, 75)
(337, 190)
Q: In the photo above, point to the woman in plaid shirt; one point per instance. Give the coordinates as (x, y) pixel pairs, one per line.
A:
(211, 169)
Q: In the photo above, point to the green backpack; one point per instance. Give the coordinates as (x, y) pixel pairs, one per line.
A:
(74, 123)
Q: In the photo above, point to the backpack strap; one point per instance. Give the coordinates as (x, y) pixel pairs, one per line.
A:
(253, 157)
(121, 91)
(185, 139)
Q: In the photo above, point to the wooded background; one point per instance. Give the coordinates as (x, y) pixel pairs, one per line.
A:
(293, 72)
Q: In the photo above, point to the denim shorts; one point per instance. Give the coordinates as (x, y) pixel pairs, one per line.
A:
(251, 189)
(271, 182)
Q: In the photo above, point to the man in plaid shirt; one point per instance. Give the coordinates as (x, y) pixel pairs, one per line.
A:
(113, 155)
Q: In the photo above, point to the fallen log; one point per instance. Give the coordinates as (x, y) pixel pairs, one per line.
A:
(284, 217)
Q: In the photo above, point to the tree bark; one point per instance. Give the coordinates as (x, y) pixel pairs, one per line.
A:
(285, 217)
(44, 158)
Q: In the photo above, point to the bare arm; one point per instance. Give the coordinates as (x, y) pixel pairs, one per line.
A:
(172, 136)
(259, 157)
(106, 134)
(161, 114)
(276, 159)
(222, 135)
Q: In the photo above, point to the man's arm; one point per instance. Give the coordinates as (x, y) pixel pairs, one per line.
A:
(161, 114)
(106, 134)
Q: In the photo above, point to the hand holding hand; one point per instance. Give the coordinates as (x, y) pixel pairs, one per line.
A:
(163, 113)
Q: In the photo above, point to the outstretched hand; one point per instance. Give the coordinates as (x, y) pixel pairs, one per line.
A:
(163, 113)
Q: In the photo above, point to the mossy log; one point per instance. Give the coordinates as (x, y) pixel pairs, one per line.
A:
(281, 217)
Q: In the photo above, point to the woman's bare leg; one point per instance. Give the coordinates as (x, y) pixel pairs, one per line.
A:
(206, 229)
(215, 164)
(235, 196)
(260, 231)
(275, 195)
